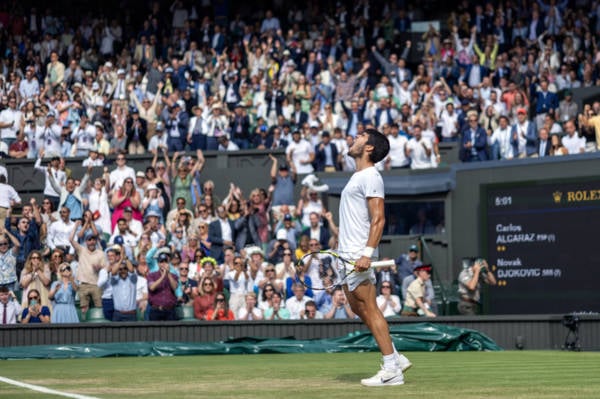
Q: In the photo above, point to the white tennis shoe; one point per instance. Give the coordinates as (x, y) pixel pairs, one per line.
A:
(384, 378)
(404, 363)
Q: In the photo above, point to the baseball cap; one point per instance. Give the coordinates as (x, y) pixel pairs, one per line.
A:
(283, 167)
(413, 248)
(127, 209)
(287, 217)
(521, 111)
(139, 173)
(163, 257)
(160, 126)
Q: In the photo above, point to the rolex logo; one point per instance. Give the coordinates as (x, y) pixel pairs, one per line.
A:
(557, 195)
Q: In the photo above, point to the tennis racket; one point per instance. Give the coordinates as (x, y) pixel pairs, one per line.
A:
(332, 269)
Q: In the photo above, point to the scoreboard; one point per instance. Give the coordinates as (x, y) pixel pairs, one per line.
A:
(542, 242)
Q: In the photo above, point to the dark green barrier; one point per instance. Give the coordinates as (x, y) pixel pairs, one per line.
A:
(411, 337)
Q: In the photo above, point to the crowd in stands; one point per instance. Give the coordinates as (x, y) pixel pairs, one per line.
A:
(175, 80)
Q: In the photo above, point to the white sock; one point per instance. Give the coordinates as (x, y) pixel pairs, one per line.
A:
(390, 362)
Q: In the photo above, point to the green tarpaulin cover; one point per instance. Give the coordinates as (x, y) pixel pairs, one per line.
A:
(410, 337)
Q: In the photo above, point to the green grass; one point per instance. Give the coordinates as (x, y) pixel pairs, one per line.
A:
(461, 375)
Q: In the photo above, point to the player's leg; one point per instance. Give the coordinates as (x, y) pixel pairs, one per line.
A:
(363, 303)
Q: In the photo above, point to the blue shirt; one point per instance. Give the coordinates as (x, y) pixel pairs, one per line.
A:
(75, 206)
(123, 292)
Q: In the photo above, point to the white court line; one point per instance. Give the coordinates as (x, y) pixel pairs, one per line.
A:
(44, 389)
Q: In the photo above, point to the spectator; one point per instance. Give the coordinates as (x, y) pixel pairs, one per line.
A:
(250, 311)
(91, 261)
(70, 194)
(205, 299)
(35, 276)
(572, 141)
(123, 281)
(388, 303)
(524, 135)
(276, 311)
(469, 286)
(295, 304)
(415, 294)
(237, 280)
(407, 263)
(310, 312)
(62, 292)
(221, 234)
(474, 141)
(339, 307)
(10, 308)
(162, 285)
(34, 311)
(189, 286)
(125, 197)
(220, 310)
(317, 230)
(418, 150)
(121, 173)
(300, 153)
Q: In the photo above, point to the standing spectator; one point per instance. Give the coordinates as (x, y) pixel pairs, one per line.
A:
(63, 292)
(221, 233)
(397, 158)
(123, 281)
(35, 276)
(70, 193)
(545, 101)
(206, 298)
(326, 155)
(418, 150)
(126, 196)
(301, 153)
(524, 135)
(176, 126)
(500, 140)
(121, 173)
(10, 122)
(8, 198)
(28, 236)
(474, 141)
(51, 170)
(162, 285)
(469, 286)
(10, 309)
(91, 261)
(283, 181)
(572, 141)
(237, 280)
(83, 136)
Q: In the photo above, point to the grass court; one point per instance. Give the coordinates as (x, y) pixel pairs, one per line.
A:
(464, 375)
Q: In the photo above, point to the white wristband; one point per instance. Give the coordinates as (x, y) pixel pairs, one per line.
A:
(368, 252)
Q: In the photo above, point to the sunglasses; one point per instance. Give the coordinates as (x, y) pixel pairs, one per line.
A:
(34, 298)
(3, 244)
(269, 270)
(178, 232)
(207, 284)
(122, 268)
(220, 299)
(385, 286)
(287, 254)
(184, 268)
(35, 257)
(66, 269)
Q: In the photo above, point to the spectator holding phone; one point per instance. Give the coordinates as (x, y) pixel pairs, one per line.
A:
(220, 310)
(35, 312)
(469, 286)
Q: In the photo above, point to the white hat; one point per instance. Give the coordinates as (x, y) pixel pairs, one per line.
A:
(151, 187)
(108, 64)
(120, 71)
(95, 86)
(99, 124)
(281, 234)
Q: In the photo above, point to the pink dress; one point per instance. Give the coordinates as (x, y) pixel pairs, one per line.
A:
(118, 213)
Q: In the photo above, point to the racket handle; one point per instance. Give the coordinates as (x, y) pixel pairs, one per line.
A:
(383, 263)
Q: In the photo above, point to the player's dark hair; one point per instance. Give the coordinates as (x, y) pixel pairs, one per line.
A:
(380, 143)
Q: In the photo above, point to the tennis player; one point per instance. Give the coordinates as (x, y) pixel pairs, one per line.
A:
(362, 219)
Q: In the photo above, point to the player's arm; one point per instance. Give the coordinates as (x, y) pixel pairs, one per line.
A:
(377, 214)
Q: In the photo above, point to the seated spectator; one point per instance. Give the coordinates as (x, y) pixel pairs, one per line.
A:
(188, 286)
(250, 311)
(310, 312)
(388, 303)
(339, 307)
(296, 303)
(220, 310)
(205, 299)
(10, 309)
(35, 312)
(415, 302)
(276, 311)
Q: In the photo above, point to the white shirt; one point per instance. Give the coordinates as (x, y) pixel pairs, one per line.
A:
(59, 176)
(295, 306)
(300, 152)
(226, 232)
(8, 194)
(418, 155)
(255, 315)
(59, 233)
(84, 137)
(393, 308)
(449, 124)
(502, 137)
(355, 220)
(51, 139)
(574, 144)
(118, 176)
(7, 116)
(157, 141)
(141, 288)
(397, 154)
(239, 286)
(104, 283)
